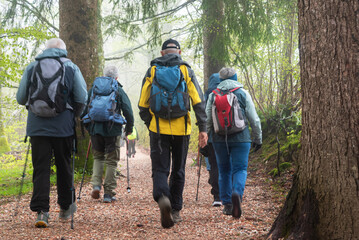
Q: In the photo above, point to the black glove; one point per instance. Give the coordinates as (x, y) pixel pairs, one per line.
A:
(204, 151)
(256, 146)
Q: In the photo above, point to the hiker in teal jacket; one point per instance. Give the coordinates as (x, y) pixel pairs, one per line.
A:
(53, 136)
(232, 165)
(104, 138)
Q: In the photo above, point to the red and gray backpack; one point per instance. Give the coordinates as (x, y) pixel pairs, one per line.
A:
(227, 113)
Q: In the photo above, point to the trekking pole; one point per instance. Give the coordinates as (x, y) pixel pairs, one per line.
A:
(128, 169)
(23, 176)
(199, 174)
(83, 174)
(73, 182)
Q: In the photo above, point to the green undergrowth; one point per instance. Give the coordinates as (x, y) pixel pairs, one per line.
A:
(288, 133)
(11, 172)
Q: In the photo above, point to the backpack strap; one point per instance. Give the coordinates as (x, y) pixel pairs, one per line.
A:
(217, 92)
(158, 132)
(234, 89)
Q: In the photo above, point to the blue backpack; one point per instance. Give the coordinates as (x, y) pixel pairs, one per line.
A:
(169, 94)
(102, 105)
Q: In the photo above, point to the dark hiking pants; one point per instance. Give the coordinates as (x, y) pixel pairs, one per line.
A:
(213, 173)
(177, 148)
(43, 150)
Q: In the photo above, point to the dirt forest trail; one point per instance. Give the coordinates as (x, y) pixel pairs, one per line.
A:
(135, 215)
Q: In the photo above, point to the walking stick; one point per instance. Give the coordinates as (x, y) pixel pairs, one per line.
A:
(128, 169)
(73, 182)
(83, 174)
(23, 176)
(199, 174)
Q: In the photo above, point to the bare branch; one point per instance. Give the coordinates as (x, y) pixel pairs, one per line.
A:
(160, 15)
(150, 40)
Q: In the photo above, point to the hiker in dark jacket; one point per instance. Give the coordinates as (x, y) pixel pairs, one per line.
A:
(53, 136)
(208, 150)
(170, 137)
(104, 139)
(232, 165)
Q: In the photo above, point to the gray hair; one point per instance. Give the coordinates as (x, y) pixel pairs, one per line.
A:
(111, 71)
(55, 43)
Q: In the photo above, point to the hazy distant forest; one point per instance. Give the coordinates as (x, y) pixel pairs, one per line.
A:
(299, 60)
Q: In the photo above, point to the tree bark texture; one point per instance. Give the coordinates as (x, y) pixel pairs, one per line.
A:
(214, 50)
(324, 200)
(80, 28)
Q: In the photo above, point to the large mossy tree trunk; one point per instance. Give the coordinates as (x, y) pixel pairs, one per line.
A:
(324, 200)
(214, 48)
(80, 28)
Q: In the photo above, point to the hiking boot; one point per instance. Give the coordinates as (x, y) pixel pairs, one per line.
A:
(166, 212)
(107, 198)
(216, 203)
(66, 214)
(176, 216)
(227, 209)
(96, 192)
(42, 220)
(237, 209)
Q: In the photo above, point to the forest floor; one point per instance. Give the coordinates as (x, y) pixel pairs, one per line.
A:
(135, 215)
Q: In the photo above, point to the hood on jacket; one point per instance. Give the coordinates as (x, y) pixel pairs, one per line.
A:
(171, 59)
(229, 84)
(212, 84)
(213, 81)
(52, 52)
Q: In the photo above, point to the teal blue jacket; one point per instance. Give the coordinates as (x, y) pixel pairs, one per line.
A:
(248, 110)
(63, 124)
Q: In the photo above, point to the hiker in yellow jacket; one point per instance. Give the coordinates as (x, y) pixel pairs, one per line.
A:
(169, 123)
(132, 138)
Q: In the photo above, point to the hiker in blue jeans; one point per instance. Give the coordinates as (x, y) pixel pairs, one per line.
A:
(232, 150)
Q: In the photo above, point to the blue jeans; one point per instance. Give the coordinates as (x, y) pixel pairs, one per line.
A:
(232, 168)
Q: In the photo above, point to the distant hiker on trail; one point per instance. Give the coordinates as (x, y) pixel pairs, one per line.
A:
(208, 150)
(54, 91)
(164, 104)
(132, 138)
(231, 138)
(103, 121)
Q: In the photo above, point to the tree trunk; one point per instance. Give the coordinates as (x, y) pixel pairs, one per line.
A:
(324, 200)
(214, 50)
(80, 28)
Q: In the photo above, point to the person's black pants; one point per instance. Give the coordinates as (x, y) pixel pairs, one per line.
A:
(213, 173)
(43, 149)
(177, 148)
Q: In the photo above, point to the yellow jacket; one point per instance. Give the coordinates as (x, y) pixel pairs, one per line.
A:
(133, 135)
(175, 126)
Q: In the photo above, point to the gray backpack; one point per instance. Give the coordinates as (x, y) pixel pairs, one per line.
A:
(226, 113)
(48, 93)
